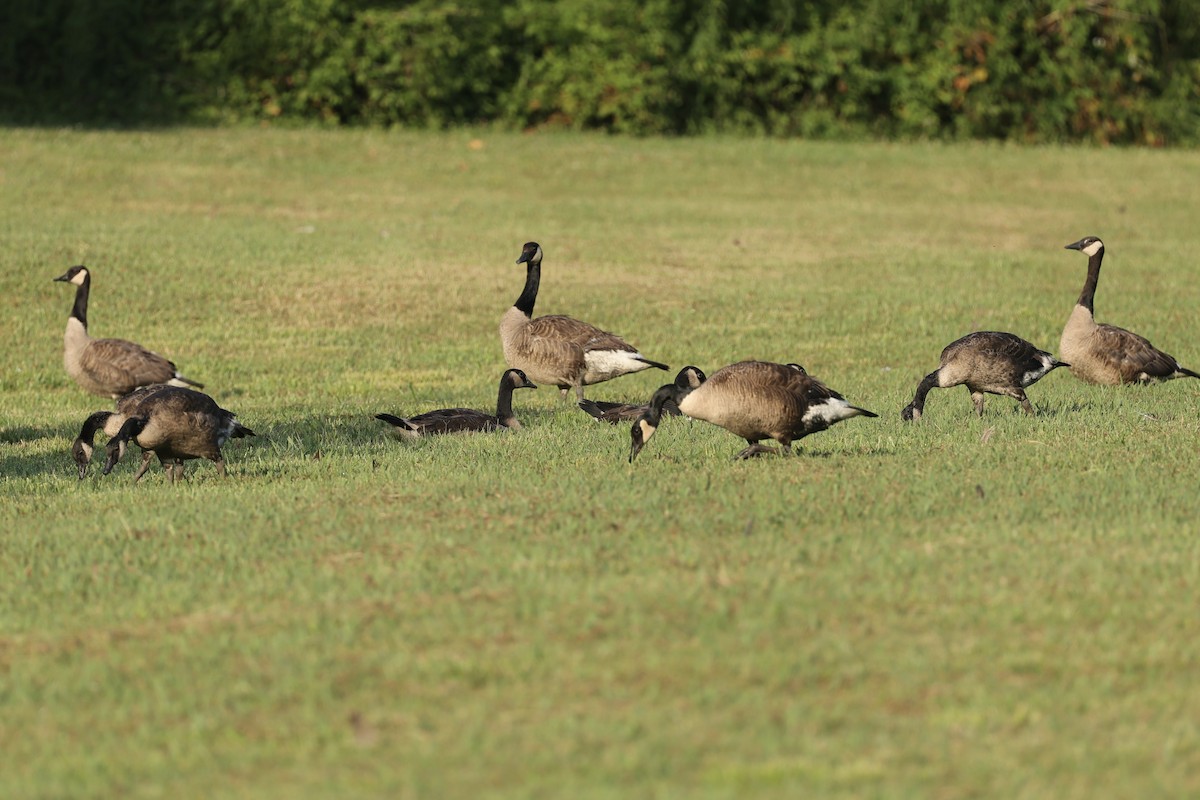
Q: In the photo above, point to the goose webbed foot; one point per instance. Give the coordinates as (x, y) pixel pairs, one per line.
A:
(755, 450)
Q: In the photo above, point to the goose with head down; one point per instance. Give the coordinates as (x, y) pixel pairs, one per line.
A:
(176, 424)
(992, 362)
(755, 400)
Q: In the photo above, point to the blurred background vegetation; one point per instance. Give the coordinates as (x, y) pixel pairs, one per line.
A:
(1022, 70)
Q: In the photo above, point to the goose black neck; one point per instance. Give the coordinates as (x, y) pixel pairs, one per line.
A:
(664, 393)
(1087, 297)
(92, 424)
(923, 388)
(79, 311)
(533, 277)
(504, 411)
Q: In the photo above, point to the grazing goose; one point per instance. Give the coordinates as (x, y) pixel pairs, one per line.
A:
(109, 367)
(1106, 354)
(176, 424)
(688, 378)
(109, 423)
(559, 350)
(755, 400)
(986, 361)
(464, 420)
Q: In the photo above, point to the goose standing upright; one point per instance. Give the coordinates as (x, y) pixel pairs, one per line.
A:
(176, 424)
(464, 420)
(986, 361)
(560, 350)
(109, 367)
(1106, 354)
(755, 400)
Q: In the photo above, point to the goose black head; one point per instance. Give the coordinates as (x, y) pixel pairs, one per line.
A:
(518, 380)
(531, 254)
(1088, 245)
(76, 275)
(639, 434)
(83, 447)
(690, 378)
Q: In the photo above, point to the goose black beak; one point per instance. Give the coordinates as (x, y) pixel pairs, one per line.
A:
(62, 278)
(523, 258)
(1075, 245)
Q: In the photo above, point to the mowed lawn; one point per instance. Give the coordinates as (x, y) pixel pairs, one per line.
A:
(960, 608)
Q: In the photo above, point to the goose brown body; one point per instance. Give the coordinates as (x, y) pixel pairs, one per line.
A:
(560, 350)
(109, 367)
(464, 420)
(754, 400)
(176, 424)
(991, 362)
(1105, 354)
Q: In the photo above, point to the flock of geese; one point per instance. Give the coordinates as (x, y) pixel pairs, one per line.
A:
(166, 415)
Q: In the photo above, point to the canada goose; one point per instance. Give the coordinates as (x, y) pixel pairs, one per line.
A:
(109, 423)
(986, 361)
(1106, 354)
(689, 377)
(560, 350)
(464, 420)
(176, 424)
(755, 400)
(109, 367)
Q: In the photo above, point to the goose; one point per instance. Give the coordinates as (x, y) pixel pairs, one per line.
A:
(1106, 354)
(986, 361)
(754, 400)
(689, 377)
(109, 423)
(560, 350)
(464, 420)
(109, 367)
(176, 424)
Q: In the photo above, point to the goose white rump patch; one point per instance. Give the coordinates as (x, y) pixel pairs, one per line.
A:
(831, 411)
(605, 364)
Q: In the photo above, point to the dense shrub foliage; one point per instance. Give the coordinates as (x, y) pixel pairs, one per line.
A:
(1028, 70)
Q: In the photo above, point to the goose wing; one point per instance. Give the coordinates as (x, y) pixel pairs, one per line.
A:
(1133, 355)
(455, 420)
(125, 365)
(586, 337)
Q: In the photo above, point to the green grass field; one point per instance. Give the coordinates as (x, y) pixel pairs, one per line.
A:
(999, 607)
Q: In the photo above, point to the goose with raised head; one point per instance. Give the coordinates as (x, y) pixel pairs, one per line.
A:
(1105, 354)
(176, 424)
(992, 362)
(109, 367)
(689, 377)
(464, 420)
(109, 423)
(559, 350)
(755, 400)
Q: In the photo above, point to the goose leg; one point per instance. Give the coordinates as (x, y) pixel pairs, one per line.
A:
(146, 456)
(219, 461)
(755, 449)
(977, 399)
(1019, 396)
